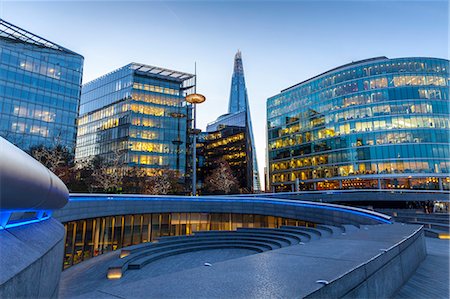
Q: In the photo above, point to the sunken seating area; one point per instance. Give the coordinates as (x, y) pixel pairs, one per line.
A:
(254, 239)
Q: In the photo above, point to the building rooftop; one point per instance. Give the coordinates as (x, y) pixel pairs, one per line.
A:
(353, 63)
(12, 32)
(148, 70)
(154, 70)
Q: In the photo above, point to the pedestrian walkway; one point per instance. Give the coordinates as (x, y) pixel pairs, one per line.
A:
(431, 279)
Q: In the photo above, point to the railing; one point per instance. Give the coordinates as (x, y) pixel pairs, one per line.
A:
(28, 190)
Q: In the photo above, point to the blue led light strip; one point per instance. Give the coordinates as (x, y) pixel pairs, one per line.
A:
(39, 218)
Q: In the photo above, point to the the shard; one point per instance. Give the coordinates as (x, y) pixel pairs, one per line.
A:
(239, 115)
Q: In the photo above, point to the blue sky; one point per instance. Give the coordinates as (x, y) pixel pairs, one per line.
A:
(282, 43)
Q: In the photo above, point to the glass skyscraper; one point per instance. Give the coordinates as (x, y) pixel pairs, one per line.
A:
(40, 85)
(140, 112)
(373, 124)
(239, 115)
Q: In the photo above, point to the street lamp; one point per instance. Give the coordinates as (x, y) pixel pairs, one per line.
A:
(194, 99)
(178, 141)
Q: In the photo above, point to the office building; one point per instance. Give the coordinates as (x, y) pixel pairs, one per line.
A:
(40, 85)
(138, 112)
(227, 144)
(373, 124)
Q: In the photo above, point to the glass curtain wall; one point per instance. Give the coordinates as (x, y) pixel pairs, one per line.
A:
(378, 123)
(40, 85)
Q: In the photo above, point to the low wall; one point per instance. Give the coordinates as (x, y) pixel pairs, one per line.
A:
(31, 259)
(381, 276)
(85, 206)
(357, 195)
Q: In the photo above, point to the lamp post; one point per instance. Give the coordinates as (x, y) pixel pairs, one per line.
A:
(178, 141)
(194, 99)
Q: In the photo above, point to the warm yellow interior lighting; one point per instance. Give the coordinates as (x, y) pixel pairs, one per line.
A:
(124, 253)
(114, 273)
(444, 236)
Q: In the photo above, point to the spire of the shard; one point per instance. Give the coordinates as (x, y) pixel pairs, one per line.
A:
(238, 93)
(239, 103)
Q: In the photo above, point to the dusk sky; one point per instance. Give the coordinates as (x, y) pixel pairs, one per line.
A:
(282, 43)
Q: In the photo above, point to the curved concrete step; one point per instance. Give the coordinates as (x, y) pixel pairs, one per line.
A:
(285, 241)
(280, 242)
(432, 225)
(350, 228)
(119, 266)
(422, 219)
(275, 231)
(135, 249)
(334, 230)
(199, 234)
(204, 243)
(140, 263)
(436, 233)
(294, 238)
(313, 232)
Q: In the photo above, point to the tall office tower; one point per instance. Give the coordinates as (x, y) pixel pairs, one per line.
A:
(226, 144)
(40, 85)
(137, 111)
(239, 115)
(378, 123)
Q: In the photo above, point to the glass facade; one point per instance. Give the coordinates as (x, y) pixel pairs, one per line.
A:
(91, 237)
(139, 111)
(40, 85)
(239, 115)
(377, 123)
(229, 144)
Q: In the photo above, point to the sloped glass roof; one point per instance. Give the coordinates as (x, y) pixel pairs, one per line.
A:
(8, 30)
(153, 70)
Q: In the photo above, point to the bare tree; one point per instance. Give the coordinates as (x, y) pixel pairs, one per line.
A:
(222, 180)
(108, 176)
(156, 182)
(52, 158)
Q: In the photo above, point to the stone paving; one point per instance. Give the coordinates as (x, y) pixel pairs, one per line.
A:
(431, 279)
(289, 272)
(90, 275)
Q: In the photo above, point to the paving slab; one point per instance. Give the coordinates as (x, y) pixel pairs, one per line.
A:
(290, 272)
(431, 279)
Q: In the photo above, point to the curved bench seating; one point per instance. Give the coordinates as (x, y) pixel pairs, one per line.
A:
(286, 241)
(436, 225)
(432, 225)
(144, 260)
(333, 230)
(304, 237)
(350, 228)
(419, 217)
(199, 234)
(165, 241)
(313, 232)
(257, 239)
(120, 266)
(288, 238)
(185, 240)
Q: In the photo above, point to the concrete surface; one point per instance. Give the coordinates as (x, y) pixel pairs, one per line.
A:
(431, 280)
(289, 272)
(31, 260)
